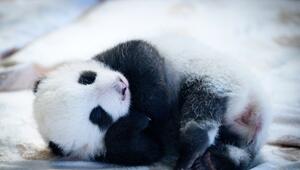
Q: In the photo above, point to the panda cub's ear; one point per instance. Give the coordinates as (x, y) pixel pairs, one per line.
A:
(36, 85)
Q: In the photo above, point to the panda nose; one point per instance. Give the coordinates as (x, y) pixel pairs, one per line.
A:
(121, 86)
(122, 79)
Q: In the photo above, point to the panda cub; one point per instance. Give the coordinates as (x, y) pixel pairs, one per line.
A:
(133, 102)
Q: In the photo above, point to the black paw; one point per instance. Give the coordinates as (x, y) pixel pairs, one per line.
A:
(142, 121)
(214, 161)
(193, 144)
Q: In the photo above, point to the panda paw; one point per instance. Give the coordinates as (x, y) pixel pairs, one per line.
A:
(141, 121)
(214, 159)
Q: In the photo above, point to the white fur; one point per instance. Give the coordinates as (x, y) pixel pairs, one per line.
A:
(253, 94)
(212, 133)
(237, 155)
(62, 107)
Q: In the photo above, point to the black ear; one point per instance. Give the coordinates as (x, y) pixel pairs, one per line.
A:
(36, 85)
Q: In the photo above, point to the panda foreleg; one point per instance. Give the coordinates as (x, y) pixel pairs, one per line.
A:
(201, 114)
(128, 144)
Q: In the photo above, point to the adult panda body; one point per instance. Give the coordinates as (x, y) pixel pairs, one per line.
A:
(206, 102)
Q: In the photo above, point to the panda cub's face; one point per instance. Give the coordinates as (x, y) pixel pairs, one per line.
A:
(75, 105)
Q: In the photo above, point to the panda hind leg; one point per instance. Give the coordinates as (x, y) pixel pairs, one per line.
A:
(201, 111)
(223, 157)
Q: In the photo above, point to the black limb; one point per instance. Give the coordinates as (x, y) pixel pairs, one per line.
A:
(126, 143)
(202, 110)
(219, 157)
(193, 143)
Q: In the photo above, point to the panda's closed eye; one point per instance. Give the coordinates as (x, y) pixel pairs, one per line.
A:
(57, 150)
(87, 77)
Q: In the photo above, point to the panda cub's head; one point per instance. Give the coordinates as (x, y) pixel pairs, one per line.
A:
(75, 105)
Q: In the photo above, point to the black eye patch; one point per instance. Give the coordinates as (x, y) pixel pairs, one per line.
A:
(99, 117)
(56, 149)
(87, 77)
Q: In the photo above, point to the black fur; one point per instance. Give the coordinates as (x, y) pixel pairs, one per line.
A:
(201, 109)
(227, 137)
(198, 102)
(127, 144)
(87, 77)
(99, 117)
(193, 143)
(144, 68)
(56, 149)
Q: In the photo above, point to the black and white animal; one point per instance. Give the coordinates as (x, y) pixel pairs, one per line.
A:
(127, 103)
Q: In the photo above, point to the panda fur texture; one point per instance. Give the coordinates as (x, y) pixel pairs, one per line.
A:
(211, 104)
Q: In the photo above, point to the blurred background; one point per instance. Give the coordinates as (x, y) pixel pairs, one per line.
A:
(38, 35)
